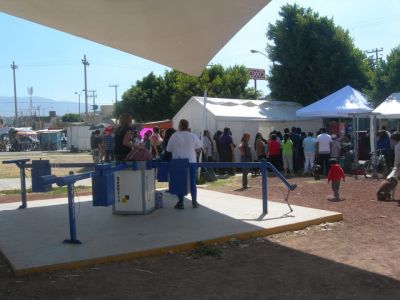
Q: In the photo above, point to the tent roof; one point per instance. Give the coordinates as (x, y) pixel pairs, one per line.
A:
(265, 110)
(390, 108)
(342, 103)
(167, 32)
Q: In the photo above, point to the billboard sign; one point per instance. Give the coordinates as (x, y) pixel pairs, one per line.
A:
(257, 74)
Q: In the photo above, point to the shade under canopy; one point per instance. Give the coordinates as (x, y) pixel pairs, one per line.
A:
(390, 108)
(341, 104)
(181, 34)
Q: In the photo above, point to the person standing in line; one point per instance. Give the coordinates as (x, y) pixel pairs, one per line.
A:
(207, 146)
(227, 147)
(324, 144)
(184, 144)
(216, 137)
(336, 147)
(155, 141)
(217, 147)
(383, 143)
(123, 137)
(295, 137)
(287, 155)
(274, 151)
(165, 155)
(245, 156)
(335, 174)
(260, 145)
(309, 153)
(146, 139)
(96, 143)
(108, 141)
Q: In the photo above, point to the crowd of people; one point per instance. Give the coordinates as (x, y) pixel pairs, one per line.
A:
(291, 152)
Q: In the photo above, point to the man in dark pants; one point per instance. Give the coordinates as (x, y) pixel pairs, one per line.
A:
(296, 139)
(324, 144)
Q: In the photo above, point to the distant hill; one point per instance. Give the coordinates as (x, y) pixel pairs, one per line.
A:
(45, 104)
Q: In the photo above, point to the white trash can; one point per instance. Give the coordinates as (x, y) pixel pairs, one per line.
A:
(134, 190)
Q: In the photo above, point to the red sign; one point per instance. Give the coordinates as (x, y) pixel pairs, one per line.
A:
(257, 74)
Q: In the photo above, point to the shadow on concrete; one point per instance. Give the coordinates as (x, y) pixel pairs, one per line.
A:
(262, 270)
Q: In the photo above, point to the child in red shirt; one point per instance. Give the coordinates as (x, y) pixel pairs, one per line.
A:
(335, 174)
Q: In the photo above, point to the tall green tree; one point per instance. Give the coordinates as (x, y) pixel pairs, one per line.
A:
(148, 100)
(385, 78)
(156, 98)
(70, 118)
(311, 57)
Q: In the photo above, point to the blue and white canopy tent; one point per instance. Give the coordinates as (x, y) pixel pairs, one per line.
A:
(389, 108)
(344, 103)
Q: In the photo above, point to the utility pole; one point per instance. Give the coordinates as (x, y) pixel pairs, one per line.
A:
(376, 51)
(14, 67)
(94, 96)
(116, 87)
(30, 93)
(85, 64)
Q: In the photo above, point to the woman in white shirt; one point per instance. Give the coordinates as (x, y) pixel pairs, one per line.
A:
(184, 144)
(207, 146)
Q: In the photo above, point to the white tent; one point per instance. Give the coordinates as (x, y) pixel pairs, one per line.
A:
(390, 108)
(181, 34)
(243, 116)
(343, 103)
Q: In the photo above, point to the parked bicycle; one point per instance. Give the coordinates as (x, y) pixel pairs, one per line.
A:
(376, 165)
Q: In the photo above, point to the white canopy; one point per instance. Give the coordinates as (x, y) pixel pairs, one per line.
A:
(390, 108)
(264, 110)
(341, 104)
(181, 34)
(242, 116)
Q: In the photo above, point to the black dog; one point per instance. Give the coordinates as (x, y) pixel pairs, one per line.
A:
(316, 172)
(386, 189)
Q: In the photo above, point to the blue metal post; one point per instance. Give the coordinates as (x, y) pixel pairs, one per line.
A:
(23, 184)
(264, 188)
(71, 214)
(21, 164)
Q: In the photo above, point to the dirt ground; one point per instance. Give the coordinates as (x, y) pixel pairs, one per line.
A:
(357, 258)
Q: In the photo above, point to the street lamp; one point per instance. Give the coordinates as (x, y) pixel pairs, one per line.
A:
(79, 101)
(260, 52)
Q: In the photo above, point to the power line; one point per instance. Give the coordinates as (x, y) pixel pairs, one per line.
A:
(94, 96)
(376, 51)
(375, 21)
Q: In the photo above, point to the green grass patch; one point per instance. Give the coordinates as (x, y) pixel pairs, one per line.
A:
(231, 181)
(61, 190)
(203, 250)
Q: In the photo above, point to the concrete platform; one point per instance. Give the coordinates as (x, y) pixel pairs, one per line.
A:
(31, 239)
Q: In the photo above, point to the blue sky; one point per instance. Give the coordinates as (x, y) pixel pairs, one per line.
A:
(50, 61)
